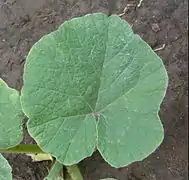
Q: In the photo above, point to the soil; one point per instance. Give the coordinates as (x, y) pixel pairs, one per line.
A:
(23, 22)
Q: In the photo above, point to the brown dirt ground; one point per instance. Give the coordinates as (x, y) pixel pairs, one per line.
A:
(23, 22)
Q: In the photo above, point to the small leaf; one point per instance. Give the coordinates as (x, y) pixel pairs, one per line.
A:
(93, 82)
(11, 116)
(5, 169)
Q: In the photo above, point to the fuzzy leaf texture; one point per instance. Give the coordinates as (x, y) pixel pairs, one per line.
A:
(93, 83)
(11, 116)
(5, 169)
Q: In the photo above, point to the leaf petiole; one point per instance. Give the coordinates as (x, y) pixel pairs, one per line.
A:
(24, 148)
(74, 172)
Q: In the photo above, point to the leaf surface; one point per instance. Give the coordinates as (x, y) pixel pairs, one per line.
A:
(5, 169)
(11, 116)
(94, 83)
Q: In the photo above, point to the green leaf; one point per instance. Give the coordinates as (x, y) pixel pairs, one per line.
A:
(94, 83)
(11, 116)
(56, 172)
(5, 169)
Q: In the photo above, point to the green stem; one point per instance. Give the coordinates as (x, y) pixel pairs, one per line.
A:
(56, 172)
(24, 148)
(74, 172)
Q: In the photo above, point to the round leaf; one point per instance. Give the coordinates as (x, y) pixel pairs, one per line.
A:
(93, 82)
(5, 169)
(11, 116)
